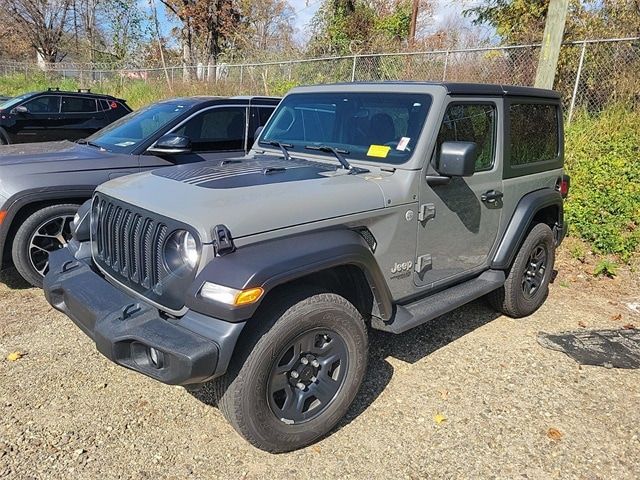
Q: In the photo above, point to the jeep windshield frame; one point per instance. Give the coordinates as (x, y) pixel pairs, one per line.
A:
(374, 127)
(134, 129)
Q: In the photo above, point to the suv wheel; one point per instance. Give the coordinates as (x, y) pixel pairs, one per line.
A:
(296, 372)
(44, 231)
(527, 284)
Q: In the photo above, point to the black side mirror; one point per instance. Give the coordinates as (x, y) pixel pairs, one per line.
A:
(20, 109)
(258, 132)
(171, 144)
(458, 159)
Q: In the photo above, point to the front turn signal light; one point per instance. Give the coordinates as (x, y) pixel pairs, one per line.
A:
(230, 296)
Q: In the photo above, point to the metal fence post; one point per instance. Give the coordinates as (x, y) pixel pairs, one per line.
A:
(446, 64)
(353, 69)
(577, 82)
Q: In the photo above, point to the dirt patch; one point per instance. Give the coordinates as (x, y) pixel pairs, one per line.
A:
(471, 395)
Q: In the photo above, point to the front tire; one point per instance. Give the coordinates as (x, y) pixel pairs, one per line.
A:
(527, 284)
(41, 233)
(296, 372)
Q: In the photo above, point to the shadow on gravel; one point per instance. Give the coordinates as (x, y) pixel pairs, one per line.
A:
(12, 279)
(409, 347)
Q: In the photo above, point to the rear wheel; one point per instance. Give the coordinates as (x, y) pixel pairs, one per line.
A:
(43, 232)
(296, 372)
(527, 284)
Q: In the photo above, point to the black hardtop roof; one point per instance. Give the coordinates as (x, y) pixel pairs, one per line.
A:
(455, 88)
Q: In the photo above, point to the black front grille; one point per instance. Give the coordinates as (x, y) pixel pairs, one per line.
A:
(128, 245)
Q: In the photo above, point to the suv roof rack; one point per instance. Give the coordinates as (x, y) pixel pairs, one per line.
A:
(53, 89)
(84, 90)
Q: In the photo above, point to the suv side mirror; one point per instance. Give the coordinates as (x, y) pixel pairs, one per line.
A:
(458, 159)
(258, 132)
(20, 109)
(171, 144)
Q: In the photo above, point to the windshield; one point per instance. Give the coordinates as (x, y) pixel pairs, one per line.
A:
(380, 127)
(12, 102)
(127, 133)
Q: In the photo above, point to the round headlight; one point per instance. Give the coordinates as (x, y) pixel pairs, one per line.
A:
(180, 250)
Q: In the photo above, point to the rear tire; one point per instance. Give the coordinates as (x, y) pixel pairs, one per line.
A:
(42, 232)
(319, 336)
(527, 284)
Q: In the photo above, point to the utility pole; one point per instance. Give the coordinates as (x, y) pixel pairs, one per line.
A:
(414, 21)
(551, 43)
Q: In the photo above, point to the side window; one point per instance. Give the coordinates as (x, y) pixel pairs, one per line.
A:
(78, 105)
(44, 104)
(218, 129)
(534, 133)
(468, 122)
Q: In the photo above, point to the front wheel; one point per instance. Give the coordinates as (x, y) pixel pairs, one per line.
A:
(43, 232)
(296, 372)
(527, 284)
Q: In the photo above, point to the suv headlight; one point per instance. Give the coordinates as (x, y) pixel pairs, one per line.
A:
(180, 249)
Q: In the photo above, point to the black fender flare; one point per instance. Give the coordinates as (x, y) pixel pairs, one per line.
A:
(274, 262)
(525, 211)
(17, 202)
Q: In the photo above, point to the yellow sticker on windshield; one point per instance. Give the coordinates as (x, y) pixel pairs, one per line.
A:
(379, 151)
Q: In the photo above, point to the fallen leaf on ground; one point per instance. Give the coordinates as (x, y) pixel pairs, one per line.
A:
(443, 394)
(554, 434)
(617, 317)
(629, 326)
(13, 356)
(581, 324)
(316, 449)
(439, 418)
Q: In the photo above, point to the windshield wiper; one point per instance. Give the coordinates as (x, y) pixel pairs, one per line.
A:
(339, 154)
(84, 141)
(282, 146)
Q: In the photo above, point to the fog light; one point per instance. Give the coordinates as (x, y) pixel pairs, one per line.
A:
(156, 357)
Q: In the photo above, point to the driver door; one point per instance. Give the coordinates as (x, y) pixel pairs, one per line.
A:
(457, 228)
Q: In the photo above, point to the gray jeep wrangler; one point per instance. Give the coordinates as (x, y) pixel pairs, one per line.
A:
(381, 205)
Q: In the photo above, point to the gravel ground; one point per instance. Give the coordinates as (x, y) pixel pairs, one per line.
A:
(472, 395)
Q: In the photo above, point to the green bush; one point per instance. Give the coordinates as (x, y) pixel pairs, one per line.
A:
(603, 159)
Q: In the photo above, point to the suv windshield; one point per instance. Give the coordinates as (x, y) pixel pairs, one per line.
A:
(128, 132)
(380, 127)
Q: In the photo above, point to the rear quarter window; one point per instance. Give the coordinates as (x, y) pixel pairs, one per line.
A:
(534, 142)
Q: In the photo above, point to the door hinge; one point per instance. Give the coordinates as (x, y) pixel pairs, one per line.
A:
(423, 263)
(427, 212)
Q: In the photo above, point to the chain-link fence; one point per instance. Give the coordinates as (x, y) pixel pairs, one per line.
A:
(591, 74)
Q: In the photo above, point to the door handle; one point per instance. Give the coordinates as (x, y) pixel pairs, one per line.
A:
(491, 196)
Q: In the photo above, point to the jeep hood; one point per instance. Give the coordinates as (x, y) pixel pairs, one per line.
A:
(48, 152)
(249, 196)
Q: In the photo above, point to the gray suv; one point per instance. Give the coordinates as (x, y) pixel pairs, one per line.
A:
(42, 184)
(361, 206)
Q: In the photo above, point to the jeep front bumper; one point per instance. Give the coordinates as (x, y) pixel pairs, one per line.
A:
(191, 349)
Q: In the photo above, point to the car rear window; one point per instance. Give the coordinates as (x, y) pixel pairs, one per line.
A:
(78, 105)
(534, 133)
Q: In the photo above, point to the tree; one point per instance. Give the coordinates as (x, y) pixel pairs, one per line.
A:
(266, 26)
(342, 27)
(206, 28)
(44, 23)
(522, 21)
